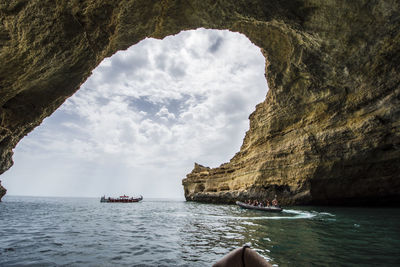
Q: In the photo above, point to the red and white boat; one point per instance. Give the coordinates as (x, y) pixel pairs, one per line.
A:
(121, 199)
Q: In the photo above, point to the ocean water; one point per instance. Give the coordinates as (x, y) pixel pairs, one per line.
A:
(84, 232)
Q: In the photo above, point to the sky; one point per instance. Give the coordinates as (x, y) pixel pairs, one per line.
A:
(144, 116)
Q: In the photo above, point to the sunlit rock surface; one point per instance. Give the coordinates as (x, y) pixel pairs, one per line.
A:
(327, 133)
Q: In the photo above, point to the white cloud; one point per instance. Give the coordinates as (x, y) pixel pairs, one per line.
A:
(144, 117)
(164, 113)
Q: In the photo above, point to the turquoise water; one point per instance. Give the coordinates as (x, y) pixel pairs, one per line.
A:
(85, 232)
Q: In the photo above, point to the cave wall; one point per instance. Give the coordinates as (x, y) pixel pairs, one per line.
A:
(327, 133)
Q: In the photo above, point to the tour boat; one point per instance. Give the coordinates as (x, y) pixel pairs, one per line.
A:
(270, 208)
(122, 199)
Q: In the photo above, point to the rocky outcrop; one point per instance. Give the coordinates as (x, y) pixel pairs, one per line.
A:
(327, 133)
(2, 191)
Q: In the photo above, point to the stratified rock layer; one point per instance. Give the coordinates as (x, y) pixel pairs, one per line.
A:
(327, 133)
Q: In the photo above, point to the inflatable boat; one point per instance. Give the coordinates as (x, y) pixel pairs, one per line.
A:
(251, 207)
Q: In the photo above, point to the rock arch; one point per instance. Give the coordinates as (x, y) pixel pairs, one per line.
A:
(328, 131)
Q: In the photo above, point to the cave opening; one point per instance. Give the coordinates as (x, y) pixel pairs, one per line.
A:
(144, 117)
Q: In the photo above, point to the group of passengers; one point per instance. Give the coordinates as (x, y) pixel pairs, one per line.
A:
(266, 203)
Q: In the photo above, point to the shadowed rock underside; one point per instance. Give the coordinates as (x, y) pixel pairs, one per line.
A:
(327, 132)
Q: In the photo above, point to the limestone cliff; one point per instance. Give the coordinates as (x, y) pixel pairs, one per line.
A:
(328, 131)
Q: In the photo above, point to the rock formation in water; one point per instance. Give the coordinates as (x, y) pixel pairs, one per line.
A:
(2, 191)
(327, 133)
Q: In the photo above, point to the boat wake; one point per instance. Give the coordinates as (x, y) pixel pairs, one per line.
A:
(291, 215)
(287, 215)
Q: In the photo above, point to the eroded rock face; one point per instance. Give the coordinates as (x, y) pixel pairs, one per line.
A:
(327, 133)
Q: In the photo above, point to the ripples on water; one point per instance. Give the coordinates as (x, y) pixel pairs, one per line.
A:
(73, 231)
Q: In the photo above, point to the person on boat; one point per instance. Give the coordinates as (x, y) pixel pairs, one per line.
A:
(275, 202)
(267, 203)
